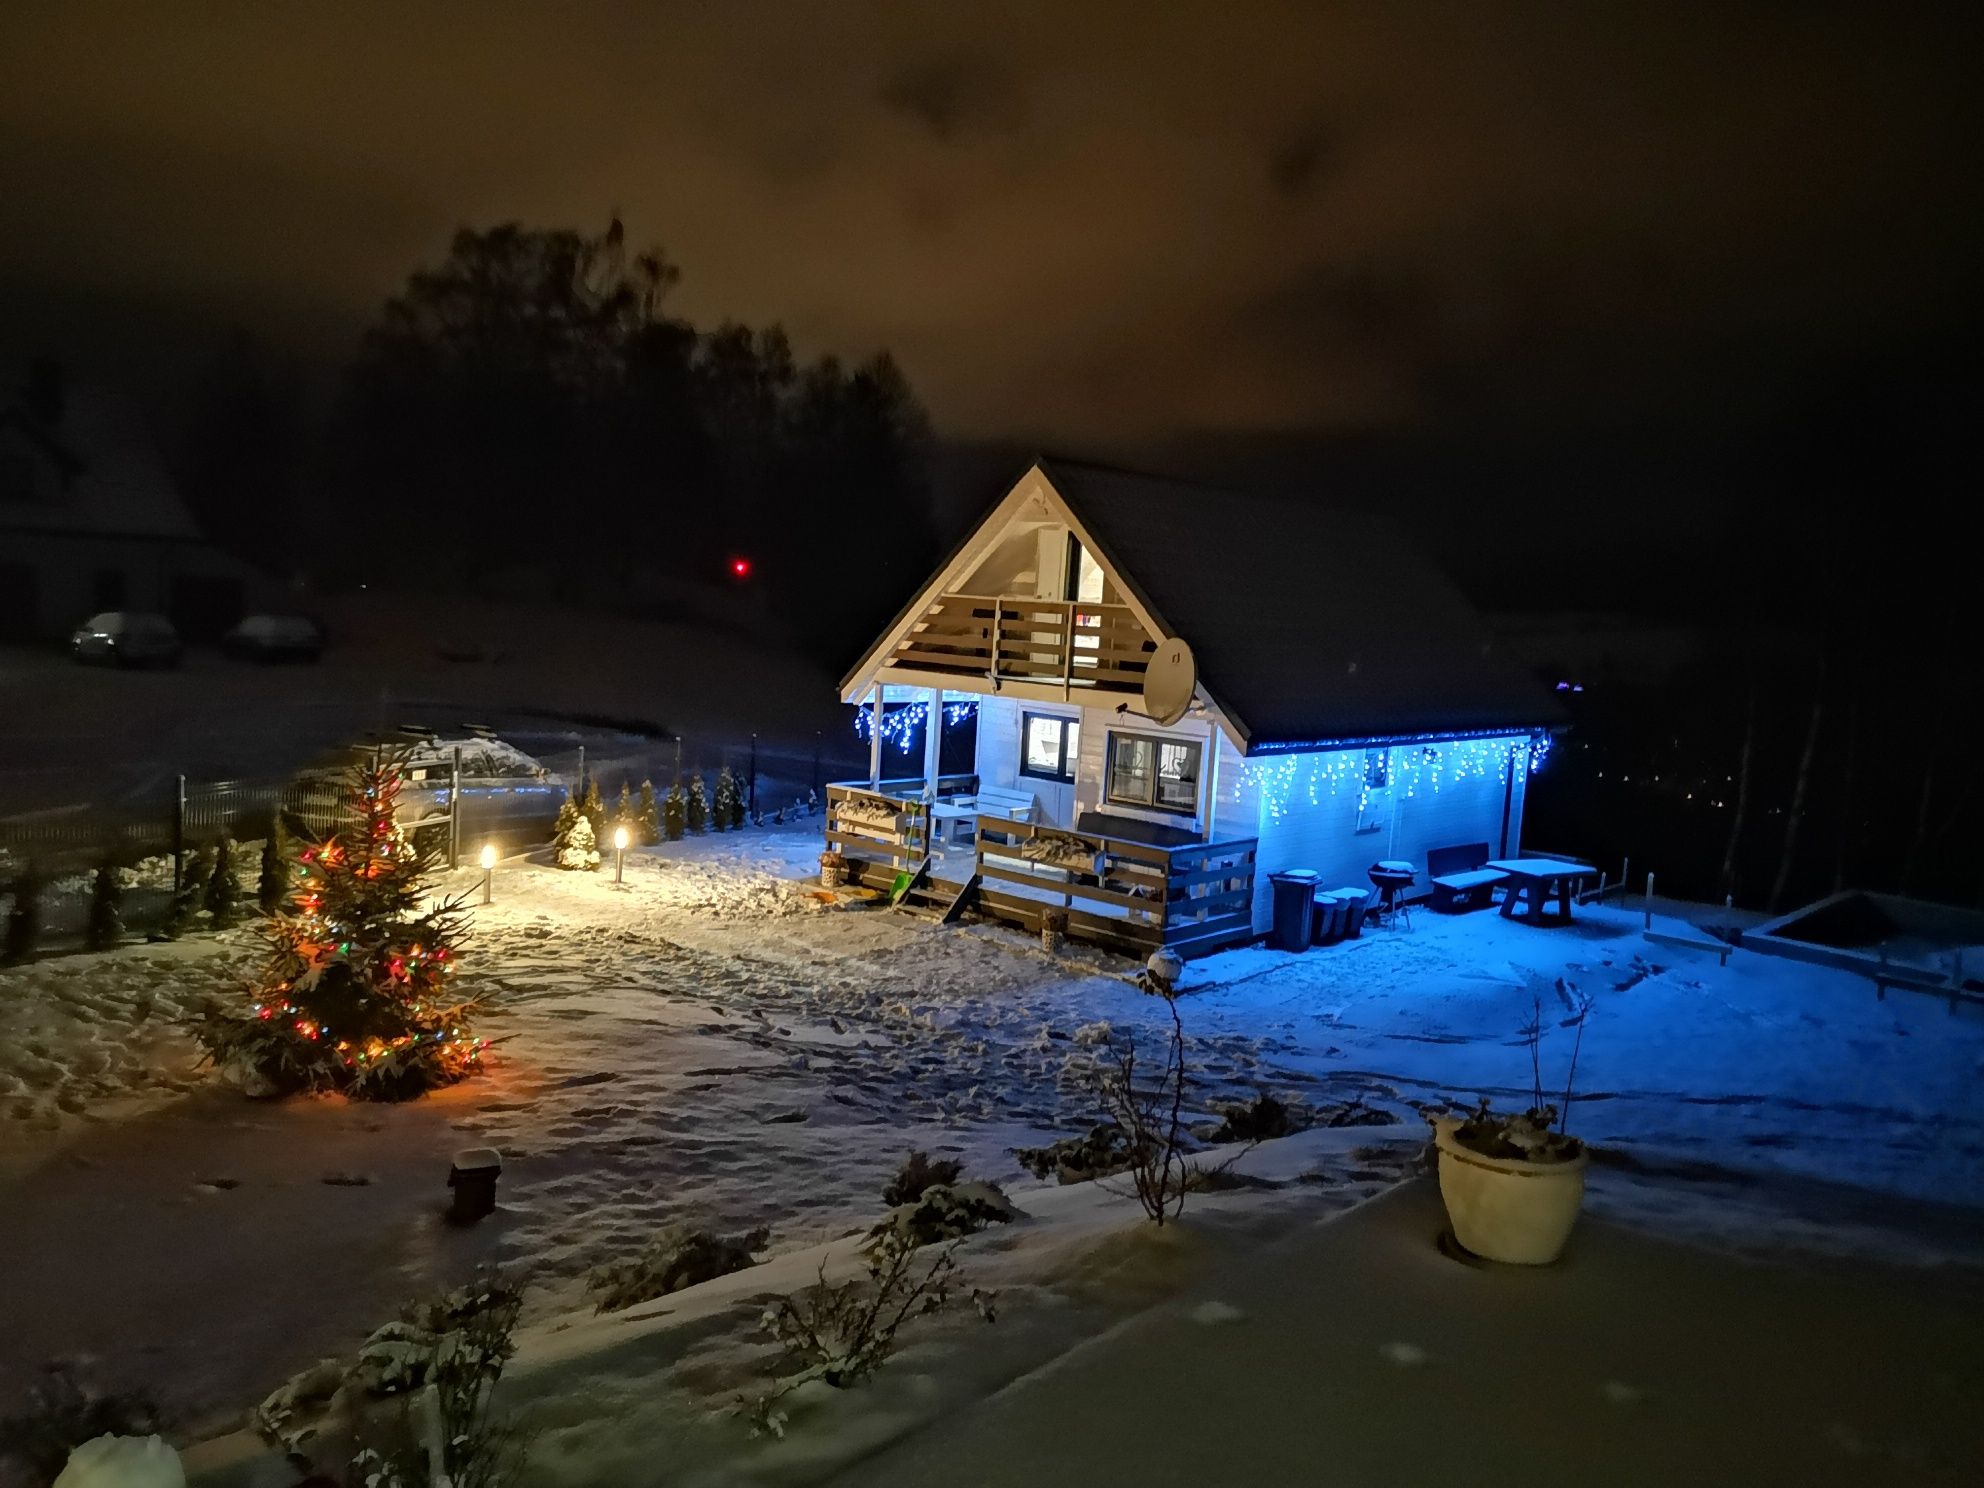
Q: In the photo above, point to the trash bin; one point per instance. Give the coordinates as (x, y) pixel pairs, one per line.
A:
(1294, 908)
(1328, 924)
(1355, 901)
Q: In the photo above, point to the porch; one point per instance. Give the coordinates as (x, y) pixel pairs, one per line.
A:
(1117, 892)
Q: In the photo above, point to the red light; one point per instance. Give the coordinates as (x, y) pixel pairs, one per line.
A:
(740, 568)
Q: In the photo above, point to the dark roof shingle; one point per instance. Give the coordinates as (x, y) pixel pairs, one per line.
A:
(1311, 624)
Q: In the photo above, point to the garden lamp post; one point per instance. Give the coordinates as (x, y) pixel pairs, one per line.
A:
(619, 854)
(488, 868)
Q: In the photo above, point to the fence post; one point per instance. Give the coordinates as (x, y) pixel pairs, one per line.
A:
(816, 764)
(1649, 901)
(455, 809)
(582, 772)
(179, 834)
(751, 805)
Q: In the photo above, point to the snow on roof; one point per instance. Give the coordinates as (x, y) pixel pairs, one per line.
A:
(117, 479)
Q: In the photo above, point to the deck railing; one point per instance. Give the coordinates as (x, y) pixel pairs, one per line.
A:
(890, 821)
(1126, 895)
(1067, 644)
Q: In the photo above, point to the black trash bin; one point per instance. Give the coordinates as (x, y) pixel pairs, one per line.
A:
(1294, 905)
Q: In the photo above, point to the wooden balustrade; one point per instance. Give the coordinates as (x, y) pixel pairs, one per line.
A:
(1065, 644)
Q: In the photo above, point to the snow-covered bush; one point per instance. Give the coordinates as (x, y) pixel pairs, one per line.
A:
(106, 925)
(23, 918)
(647, 816)
(727, 807)
(444, 1357)
(1102, 1150)
(842, 1332)
(183, 912)
(678, 1257)
(697, 806)
(675, 812)
(63, 1412)
(1150, 1110)
(1527, 1136)
(123, 1462)
(223, 889)
(593, 807)
(579, 851)
(916, 1174)
(272, 883)
(947, 1211)
(1260, 1120)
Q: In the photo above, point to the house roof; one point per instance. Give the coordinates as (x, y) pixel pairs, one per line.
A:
(1311, 624)
(114, 480)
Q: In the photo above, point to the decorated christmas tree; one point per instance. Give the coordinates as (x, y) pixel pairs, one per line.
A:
(697, 810)
(675, 812)
(358, 992)
(726, 810)
(578, 850)
(647, 817)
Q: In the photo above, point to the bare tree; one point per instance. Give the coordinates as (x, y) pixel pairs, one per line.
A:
(1742, 810)
(1801, 786)
(1151, 1112)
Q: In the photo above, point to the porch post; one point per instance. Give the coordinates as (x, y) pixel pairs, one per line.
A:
(933, 744)
(1211, 774)
(875, 740)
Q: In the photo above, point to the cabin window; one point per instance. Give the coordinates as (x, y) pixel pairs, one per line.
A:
(1377, 768)
(1162, 774)
(1049, 746)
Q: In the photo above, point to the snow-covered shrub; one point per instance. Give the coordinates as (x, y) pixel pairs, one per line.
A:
(947, 1211)
(675, 812)
(647, 816)
(579, 851)
(183, 913)
(23, 918)
(842, 1332)
(223, 889)
(272, 883)
(443, 1357)
(1104, 1149)
(592, 806)
(63, 1412)
(1260, 1120)
(1150, 1110)
(123, 1462)
(106, 925)
(697, 806)
(1527, 1136)
(916, 1174)
(727, 807)
(678, 1257)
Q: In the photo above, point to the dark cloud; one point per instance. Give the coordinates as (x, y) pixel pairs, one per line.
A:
(954, 97)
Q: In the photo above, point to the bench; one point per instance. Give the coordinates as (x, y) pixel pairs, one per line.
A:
(956, 818)
(1460, 876)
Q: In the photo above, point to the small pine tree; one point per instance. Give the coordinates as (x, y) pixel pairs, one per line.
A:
(569, 816)
(595, 810)
(698, 808)
(184, 910)
(623, 810)
(106, 925)
(223, 891)
(272, 886)
(579, 850)
(675, 812)
(647, 817)
(740, 807)
(724, 809)
(23, 919)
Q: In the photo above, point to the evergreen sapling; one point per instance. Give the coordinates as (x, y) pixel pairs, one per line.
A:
(183, 913)
(675, 813)
(272, 886)
(647, 817)
(106, 926)
(723, 809)
(579, 852)
(594, 809)
(697, 814)
(223, 891)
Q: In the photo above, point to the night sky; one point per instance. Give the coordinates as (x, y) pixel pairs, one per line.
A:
(1607, 257)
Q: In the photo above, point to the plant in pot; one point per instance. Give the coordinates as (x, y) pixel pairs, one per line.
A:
(1513, 1184)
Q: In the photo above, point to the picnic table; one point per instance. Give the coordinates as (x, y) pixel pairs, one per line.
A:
(1538, 878)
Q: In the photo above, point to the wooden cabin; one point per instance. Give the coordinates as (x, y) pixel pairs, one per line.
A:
(1346, 707)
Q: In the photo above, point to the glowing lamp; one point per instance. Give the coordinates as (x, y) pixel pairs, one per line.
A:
(488, 857)
(740, 568)
(620, 839)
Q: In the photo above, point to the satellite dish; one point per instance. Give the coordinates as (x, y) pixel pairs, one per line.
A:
(1169, 678)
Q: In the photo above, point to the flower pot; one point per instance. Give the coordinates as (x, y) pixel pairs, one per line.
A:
(1508, 1209)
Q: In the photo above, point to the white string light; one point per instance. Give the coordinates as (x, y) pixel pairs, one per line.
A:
(900, 726)
(1405, 768)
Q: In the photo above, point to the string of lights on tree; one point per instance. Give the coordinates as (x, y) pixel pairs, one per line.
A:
(902, 726)
(1405, 768)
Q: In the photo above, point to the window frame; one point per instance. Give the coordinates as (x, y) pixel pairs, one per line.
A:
(1196, 753)
(1070, 757)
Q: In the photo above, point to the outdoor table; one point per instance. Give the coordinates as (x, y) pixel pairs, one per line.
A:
(950, 821)
(1538, 878)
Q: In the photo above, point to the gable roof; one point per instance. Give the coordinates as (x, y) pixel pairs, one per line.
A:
(1312, 625)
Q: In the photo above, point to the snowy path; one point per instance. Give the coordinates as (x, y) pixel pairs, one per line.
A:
(709, 1042)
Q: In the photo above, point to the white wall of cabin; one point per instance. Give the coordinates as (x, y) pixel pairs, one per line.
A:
(1323, 835)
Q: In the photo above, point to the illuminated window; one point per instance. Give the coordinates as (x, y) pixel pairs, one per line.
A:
(1049, 746)
(1159, 773)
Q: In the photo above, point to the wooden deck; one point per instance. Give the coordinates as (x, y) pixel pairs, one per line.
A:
(1123, 895)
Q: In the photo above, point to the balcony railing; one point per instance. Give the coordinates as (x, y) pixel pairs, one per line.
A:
(1064, 644)
(1126, 895)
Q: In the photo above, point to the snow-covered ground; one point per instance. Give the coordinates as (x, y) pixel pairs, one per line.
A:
(714, 1041)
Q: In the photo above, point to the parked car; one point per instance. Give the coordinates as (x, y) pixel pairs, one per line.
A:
(275, 638)
(126, 638)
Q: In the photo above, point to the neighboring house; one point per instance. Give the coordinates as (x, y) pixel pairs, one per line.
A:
(1348, 708)
(91, 521)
